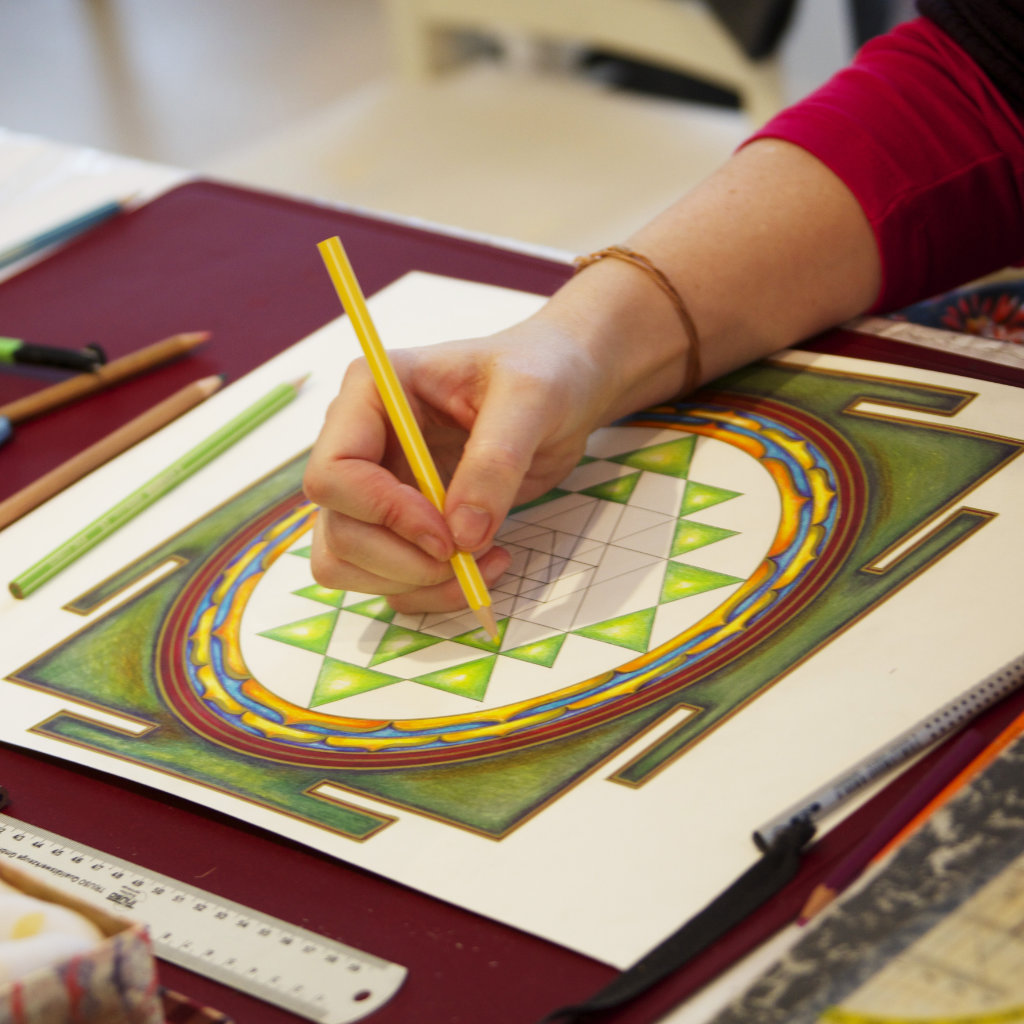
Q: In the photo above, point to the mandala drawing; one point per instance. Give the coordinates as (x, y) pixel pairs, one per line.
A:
(694, 557)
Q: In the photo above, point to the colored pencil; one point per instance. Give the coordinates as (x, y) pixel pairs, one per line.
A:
(106, 448)
(166, 480)
(14, 350)
(963, 749)
(403, 420)
(47, 399)
(64, 232)
(947, 720)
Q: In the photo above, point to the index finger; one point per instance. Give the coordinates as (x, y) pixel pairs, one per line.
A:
(347, 470)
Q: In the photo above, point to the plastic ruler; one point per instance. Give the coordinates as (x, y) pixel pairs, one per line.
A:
(293, 968)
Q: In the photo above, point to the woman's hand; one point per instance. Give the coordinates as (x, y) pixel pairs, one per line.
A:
(506, 418)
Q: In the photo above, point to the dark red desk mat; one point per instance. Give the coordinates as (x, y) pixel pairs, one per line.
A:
(244, 265)
(241, 264)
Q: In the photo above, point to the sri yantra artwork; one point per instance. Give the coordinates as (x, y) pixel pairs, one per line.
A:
(693, 558)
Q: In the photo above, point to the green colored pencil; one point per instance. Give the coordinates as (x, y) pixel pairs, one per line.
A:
(151, 491)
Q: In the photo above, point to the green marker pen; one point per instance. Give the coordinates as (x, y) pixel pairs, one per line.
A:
(14, 350)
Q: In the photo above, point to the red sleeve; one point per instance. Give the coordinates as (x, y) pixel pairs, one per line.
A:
(931, 150)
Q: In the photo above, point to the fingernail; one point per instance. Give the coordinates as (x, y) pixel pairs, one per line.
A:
(470, 526)
(434, 546)
(498, 564)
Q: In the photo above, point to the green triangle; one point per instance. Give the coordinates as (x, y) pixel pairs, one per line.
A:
(701, 496)
(322, 594)
(586, 459)
(478, 637)
(306, 552)
(620, 489)
(555, 492)
(672, 458)
(632, 630)
(543, 652)
(312, 634)
(686, 580)
(467, 680)
(397, 640)
(375, 608)
(338, 679)
(690, 536)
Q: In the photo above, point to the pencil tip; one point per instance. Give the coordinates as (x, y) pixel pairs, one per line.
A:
(485, 617)
(819, 899)
(214, 382)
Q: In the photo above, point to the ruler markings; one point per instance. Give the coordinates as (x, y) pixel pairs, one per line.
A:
(287, 965)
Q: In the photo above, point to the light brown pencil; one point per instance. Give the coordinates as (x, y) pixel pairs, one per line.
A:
(106, 448)
(104, 376)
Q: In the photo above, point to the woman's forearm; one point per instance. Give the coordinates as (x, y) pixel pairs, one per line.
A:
(771, 249)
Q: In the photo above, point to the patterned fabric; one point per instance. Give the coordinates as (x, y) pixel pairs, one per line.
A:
(990, 311)
(114, 984)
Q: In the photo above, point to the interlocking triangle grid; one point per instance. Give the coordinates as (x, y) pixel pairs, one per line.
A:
(613, 536)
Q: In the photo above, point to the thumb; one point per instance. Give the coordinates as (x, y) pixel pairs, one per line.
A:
(497, 456)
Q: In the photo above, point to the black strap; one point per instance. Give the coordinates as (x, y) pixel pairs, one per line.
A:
(756, 25)
(778, 866)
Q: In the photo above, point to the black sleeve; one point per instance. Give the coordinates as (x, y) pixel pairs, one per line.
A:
(992, 32)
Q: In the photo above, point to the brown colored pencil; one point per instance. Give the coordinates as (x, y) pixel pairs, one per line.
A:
(102, 377)
(106, 448)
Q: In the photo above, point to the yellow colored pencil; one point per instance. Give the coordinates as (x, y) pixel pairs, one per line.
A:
(400, 413)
